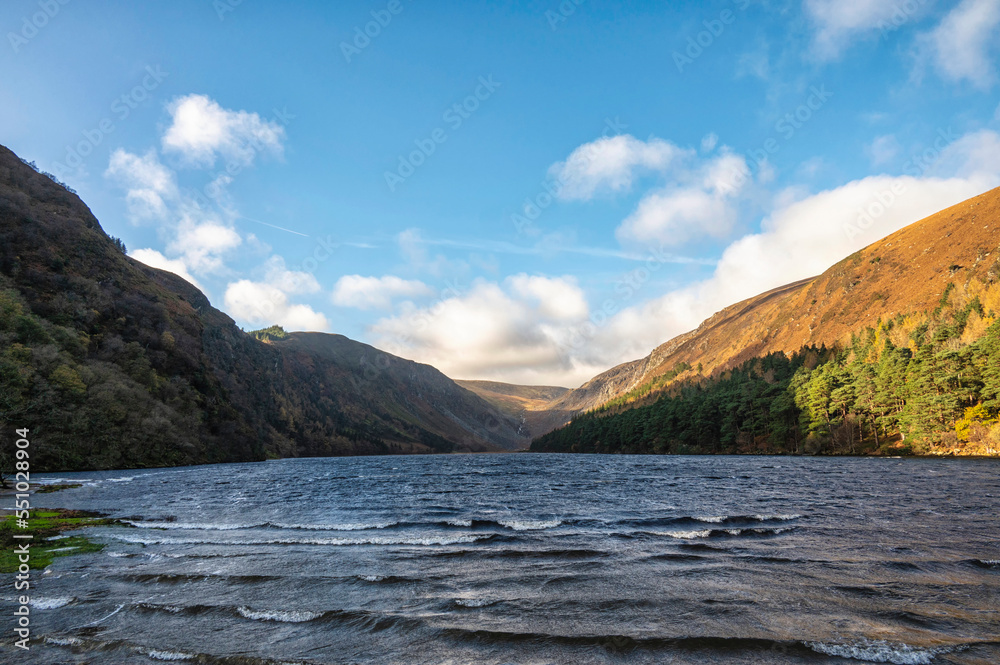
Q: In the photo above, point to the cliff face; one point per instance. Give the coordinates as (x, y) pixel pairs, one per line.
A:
(112, 363)
(905, 272)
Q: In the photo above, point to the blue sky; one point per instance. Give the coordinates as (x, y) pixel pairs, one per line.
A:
(613, 172)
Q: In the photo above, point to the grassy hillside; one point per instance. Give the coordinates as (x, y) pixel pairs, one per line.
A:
(113, 364)
(894, 348)
(903, 273)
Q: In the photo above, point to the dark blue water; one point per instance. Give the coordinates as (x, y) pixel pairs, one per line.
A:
(532, 559)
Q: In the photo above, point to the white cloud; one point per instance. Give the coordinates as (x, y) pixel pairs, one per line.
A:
(557, 299)
(203, 243)
(837, 22)
(262, 304)
(293, 282)
(267, 302)
(802, 237)
(611, 164)
(155, 259)
(149, 184)
(960, 45)
(202, 130)
(539, 330)
(376, 292)
(699, 197)
(698, 202)
(516, 331)
(883, 150)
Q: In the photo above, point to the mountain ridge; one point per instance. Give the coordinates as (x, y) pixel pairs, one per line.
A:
(115, 364)
(951, 255)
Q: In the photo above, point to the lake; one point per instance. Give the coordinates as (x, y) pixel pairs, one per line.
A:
(530, 560)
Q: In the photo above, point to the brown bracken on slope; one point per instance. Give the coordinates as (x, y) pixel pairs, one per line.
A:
(905, 272)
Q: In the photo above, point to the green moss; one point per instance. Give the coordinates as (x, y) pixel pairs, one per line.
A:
(44, 527)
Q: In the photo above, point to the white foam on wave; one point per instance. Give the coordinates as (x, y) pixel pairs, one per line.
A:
(119, 555)
(712, 520)
(880, 651)
(686, 535)
(474, 602)
(278, 616)
(51, 603)
(372, 540)
(529, 525)
(172, 609)
(156, 654)
(459, 522)
(358, 526)
(126, 479)
(192, 526)
(63, 641)
(776, 518)
(371, 578)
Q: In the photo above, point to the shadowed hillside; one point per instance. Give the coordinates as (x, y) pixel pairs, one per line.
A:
(113, 364)
(528, 404)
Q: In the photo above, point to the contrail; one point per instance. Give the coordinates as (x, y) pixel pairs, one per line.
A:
(280, 228)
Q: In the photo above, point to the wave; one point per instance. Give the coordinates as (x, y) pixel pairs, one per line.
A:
(879, 651)
(63, 641)
(157, 654)
(359, 526)
(51, 603)
(293, 616)
(373, 540)
(529, 525)
(720, 533)
(185, 578)
(474, 602)
(729, 520)
(215, 526)
(986, 563)
(193, 526)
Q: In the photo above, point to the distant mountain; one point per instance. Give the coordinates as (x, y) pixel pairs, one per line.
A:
(933, 286)
(113, 364)
(531, 405)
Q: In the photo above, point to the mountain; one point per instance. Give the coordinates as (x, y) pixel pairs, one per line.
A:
(113, 364)
(932, 286)
(530, 405)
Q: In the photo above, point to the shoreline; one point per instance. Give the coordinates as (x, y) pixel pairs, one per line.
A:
(46, 528)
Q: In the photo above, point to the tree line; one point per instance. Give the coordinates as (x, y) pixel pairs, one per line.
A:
(915, 384)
